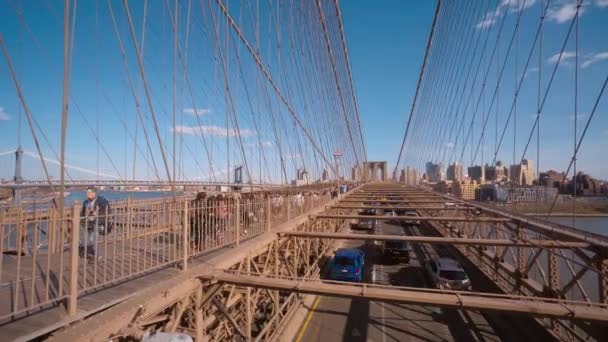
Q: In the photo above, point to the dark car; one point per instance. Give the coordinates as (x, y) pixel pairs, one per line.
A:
(397, 249)
(368, 212)
(348, 265)
(367, 224)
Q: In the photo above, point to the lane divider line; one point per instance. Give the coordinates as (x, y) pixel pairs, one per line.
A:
(308, 319)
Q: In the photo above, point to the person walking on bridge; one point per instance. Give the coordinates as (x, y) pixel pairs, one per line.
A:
(94, 214)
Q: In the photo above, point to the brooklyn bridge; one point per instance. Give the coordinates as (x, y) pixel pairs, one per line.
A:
(219, 170)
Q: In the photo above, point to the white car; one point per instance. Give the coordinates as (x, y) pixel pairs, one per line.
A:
(412, 214)
(446, 273)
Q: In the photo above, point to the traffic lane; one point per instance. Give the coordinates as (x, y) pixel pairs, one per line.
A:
(481, 326)
(335, 319)
(463, 325)
(402, 322)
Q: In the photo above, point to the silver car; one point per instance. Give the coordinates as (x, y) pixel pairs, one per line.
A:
(412, 214)
(446, 273)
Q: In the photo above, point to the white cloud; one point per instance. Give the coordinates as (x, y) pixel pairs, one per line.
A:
(511, 5)
(294, 156)
(4, 115)
(579, 116)
(565, 57)
(449, 145)
(6, 153)
(564, 12)
(515, 5)
(257, 144)
(489, 19)
(213, 131)
(601, 3)
(595, 57)
(197, 111)
(530, 71)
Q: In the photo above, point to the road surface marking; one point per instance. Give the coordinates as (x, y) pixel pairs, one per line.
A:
(308, 318)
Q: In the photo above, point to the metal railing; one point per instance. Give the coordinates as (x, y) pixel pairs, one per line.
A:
(46, 258)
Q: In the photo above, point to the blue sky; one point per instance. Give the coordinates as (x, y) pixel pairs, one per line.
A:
(386, 43)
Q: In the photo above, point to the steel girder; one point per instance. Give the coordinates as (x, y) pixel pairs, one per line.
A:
(218, 311)
(541, 307)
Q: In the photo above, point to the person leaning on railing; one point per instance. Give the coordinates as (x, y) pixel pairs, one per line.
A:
(222, 218)
(199, 215)
(94, 221)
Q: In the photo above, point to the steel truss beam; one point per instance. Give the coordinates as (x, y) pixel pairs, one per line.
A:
(419, 218)
(537, 306)
(402, 207)
(441, 240)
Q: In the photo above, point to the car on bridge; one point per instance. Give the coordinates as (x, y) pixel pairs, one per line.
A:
(366, 224)
(396, 250)
(389, 212)
(446, 273)
(368, 212)
(348, 265)
(413, 214)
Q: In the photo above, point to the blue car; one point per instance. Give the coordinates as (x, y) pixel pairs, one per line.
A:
(348, 265)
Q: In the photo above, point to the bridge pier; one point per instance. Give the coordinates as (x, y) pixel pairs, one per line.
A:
(18, 179)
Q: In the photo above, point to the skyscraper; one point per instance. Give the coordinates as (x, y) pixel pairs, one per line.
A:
(522, 174)
(455, 172)
(476, 173)
(435, 172)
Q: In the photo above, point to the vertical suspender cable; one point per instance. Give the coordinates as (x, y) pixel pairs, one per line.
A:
(148, 96)
(576, 77)
(274, 86)
(64, 102)
(350, 76)
(175, 28)
(335, 72)
(426, 54)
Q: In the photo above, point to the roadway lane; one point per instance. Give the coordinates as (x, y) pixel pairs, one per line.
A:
(338, 319)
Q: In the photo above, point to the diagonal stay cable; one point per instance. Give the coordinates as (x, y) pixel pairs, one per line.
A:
(336, 77)
(183, 59)
(271, 81)
(523, 75)
(132, 88)
(426, 54)
(148, 97)
(230, 97)
(494, 96)
(350, 76)
(557, 63)
(580, 141)
(26, 109)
